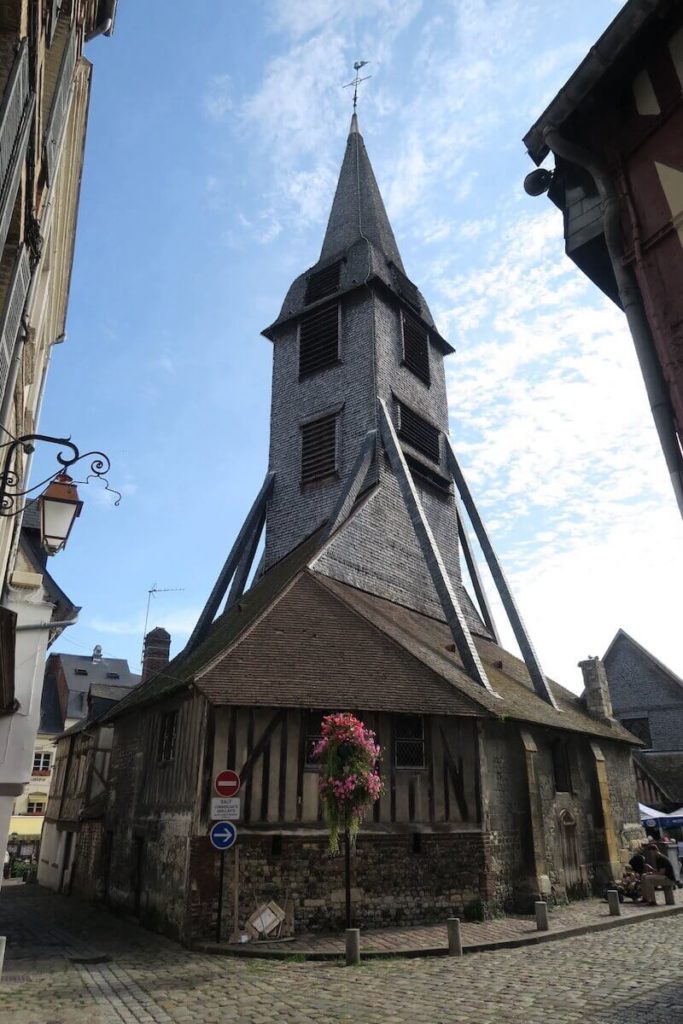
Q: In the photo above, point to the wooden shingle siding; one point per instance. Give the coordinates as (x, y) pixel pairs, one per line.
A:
(279, 791)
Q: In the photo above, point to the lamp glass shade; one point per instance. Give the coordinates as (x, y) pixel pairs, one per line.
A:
(59, 507)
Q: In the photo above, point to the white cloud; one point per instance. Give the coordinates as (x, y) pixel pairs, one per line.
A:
(180, 622)
(217, 101)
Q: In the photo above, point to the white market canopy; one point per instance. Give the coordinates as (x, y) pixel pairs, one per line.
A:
(651, 817)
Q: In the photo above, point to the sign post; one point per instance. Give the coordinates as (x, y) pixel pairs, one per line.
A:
(223, 835)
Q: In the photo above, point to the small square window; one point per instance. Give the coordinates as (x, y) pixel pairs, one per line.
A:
(167, 736)
(41, 761)
(409, 741)
(35, 807)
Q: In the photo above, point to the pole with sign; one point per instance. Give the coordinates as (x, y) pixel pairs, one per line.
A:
(223, 835)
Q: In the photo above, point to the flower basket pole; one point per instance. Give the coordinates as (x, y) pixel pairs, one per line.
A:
(349, 783)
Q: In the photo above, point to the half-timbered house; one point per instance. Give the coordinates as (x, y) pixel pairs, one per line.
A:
(498, 783)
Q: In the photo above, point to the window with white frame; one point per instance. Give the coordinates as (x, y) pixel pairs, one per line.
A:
(42, 761)
(36, 807)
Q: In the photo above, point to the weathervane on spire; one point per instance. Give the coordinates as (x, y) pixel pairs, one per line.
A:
(357, 80)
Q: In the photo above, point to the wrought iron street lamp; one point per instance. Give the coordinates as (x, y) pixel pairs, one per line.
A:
(60, 504)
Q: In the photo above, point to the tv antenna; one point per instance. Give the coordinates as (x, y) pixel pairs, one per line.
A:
(357, 80)
(153, 590)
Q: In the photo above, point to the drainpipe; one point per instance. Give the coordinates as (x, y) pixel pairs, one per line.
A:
(46, 625)
(631, 302)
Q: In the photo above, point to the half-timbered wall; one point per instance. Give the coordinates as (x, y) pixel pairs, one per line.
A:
(280, 788)
(154, 792)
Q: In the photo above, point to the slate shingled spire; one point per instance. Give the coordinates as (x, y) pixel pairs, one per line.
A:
(358, 209)
(353, 331)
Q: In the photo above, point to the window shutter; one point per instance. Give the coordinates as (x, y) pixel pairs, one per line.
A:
(416, 347)
(319, 340)
(59, 110)
(15, 123)
(319, 449)
(11, 317)
(323, 282)
(418, 432)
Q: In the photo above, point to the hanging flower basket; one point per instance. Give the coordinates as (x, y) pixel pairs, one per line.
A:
(349, 777)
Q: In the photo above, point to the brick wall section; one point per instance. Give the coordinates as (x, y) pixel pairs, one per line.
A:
(392, 885)
(639, 688)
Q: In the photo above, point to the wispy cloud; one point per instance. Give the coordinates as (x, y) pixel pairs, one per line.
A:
(217, 101)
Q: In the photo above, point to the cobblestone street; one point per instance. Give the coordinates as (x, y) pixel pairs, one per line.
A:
(70, 964)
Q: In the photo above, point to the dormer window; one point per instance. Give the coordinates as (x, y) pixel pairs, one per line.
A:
(319, 449)
(319, 334)
(80, 671)
(415, 347)
(419, 432)
(323, 282)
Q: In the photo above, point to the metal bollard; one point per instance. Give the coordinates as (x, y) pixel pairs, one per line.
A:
(614, 904)
(352, 946)
(541, 908)
(454, 937)
(669, 898)
(3, 940)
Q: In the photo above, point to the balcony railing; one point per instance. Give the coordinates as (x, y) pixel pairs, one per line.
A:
(12, 313)
(15, 124)
(59, 110)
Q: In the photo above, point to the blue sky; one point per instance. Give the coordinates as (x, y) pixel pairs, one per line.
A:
(213, 148)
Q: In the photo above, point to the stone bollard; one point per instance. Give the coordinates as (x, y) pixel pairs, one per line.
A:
(541, 908)
(669, 898)
(352, 946)
(614, 904)
(454, 937)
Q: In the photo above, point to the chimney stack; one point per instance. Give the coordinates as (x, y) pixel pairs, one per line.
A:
(155, 654)
(597, 695)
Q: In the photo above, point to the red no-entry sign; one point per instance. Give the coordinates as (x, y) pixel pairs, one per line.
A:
(227, 783)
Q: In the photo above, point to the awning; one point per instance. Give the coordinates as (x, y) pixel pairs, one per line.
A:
(8, 623)
(660, 819)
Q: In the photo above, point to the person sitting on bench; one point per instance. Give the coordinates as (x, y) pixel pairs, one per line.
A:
(661, 873)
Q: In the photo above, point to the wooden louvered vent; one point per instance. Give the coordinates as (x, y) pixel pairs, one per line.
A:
(319, 449)
(405, 288)
(416, 347)
(418, 432)
(323, 282)
(319, 340)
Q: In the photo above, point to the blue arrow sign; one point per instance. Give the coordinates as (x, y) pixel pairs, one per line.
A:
(223, 835)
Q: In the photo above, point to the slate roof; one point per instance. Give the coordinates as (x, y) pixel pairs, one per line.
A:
(430, 641)
(359, 233)
(300, 639)
(224, 630)
(621, 636)
(666, 771)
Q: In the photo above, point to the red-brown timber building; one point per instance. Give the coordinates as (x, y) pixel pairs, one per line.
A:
(616, 131)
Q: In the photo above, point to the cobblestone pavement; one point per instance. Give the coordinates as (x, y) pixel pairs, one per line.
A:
(68, 963)
(474, 934)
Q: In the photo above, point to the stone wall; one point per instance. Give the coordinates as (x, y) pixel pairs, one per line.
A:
(508, 808)
(396, 880)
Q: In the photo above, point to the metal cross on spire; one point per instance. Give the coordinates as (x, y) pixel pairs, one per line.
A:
(357, 80)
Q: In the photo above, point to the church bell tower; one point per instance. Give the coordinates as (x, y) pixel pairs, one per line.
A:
(354, 331)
